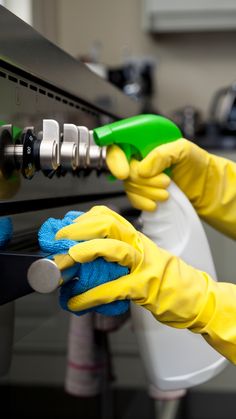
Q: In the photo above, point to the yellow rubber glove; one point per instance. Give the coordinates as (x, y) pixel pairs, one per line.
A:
(207, 180)
(177, 294)
(143, 193)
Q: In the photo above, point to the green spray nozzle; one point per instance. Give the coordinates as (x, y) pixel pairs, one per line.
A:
(138, 135)
(16, 132)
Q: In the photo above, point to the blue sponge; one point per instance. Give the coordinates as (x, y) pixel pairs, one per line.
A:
(6, 231)
(87, 275)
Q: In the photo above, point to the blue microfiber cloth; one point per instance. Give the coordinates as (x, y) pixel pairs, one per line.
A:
(89, 275)
(6, 231)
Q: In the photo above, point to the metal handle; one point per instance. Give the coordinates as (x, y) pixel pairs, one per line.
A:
(15, 266)
(44, 276)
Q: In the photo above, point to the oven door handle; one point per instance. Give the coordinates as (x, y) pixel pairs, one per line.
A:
(44, 276)
(15, 274)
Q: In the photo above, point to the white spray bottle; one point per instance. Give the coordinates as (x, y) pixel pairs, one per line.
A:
(174, 359)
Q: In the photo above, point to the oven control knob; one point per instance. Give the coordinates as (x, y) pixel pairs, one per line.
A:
(50, 145)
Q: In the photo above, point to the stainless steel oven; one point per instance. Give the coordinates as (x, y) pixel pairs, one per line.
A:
(39, 82)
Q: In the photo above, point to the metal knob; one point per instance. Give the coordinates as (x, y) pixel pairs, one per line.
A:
(70, 147)
(91, 156)
(83, 147)
(50, 145)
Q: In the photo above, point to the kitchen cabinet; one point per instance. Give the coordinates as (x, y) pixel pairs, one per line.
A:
(166, 16)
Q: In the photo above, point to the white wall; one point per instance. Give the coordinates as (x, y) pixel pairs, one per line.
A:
(22, 9)
(191, 66)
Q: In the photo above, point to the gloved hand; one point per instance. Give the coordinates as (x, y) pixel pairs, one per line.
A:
(177, 294)
(207, 180)
(6, 231)
(143, 192)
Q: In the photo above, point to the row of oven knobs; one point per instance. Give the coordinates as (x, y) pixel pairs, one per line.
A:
(50, 151)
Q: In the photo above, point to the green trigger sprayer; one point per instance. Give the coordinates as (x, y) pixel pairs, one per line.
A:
(137, 135)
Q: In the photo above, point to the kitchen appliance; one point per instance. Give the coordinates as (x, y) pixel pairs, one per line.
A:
(37, 98)
(223, 108)
(219, 131)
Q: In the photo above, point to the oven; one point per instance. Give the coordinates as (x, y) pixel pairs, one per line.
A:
(46, 95)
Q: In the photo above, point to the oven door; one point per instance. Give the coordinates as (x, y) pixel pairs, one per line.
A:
(39, 82)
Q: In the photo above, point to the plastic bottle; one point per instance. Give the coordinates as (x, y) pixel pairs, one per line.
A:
(176, 358)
